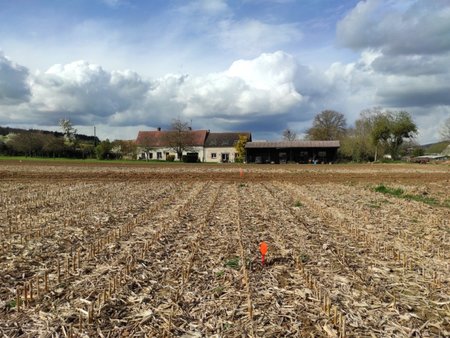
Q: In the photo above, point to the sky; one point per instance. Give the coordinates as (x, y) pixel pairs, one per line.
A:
(240, 65)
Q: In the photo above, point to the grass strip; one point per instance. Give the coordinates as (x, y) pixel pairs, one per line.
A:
(400, 193)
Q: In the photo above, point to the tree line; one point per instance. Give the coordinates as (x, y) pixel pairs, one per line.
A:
(65, 144)
(376, 133)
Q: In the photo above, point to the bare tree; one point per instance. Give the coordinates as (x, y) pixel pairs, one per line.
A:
(289, 135)
(445, 130)
(327, 125)
(179, 138)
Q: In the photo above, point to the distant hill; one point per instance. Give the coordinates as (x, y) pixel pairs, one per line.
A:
(435, 148)
(7, 130)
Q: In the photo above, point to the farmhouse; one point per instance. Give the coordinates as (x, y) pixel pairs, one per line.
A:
(203, 145)
(292, 152)
(220, 147)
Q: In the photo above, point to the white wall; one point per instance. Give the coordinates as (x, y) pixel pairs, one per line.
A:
(231, 151)
(153, 153)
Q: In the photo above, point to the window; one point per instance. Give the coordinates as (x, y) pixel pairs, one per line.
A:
(159, 155)
(213, 155)
(322, 154)
(150, 156)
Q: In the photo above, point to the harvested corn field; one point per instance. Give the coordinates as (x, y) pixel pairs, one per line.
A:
(161, 251)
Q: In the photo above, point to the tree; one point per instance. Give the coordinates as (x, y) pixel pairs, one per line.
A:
(179, 138)
(390, 129)
(27, 143)
(445, 130)
(327, 125)
(52, 145)
(357, 144)
(240, 148)
(69, 131)
(103, 150)
(289, 135)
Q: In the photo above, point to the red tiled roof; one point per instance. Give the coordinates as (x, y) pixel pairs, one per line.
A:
(157, 139)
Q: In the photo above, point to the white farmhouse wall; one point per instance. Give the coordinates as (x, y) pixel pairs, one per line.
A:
(153, 153)
(219, 151)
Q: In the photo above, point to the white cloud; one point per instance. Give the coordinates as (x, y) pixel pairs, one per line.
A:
(252, 36)
(262, 95)
(205, 7)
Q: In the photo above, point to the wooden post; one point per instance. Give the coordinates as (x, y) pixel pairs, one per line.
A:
(66, 272)
(46, 281)
(30, 283)
(17, 298)
(38, 291)
(59, 271)
(25, 295)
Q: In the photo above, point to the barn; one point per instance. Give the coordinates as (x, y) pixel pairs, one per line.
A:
(292, 152)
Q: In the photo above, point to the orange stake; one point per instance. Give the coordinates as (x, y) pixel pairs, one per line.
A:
(263, 249)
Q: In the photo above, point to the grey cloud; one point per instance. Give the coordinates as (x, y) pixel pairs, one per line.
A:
(412, 65)
(422, 28)
(415, 97)
(14, 86)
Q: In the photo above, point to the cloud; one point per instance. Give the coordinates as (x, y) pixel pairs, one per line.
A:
(85, 92)
(205, 7)
(252, 36)
(263, 94)
(261, 86)
(14, 88)
(417, 27)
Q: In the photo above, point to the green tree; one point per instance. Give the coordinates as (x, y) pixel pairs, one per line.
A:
(103, 150)
(390, 129)
(240, 148)
(327, 125)
(357, 144)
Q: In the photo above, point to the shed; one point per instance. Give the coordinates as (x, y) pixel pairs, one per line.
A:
(292, 152)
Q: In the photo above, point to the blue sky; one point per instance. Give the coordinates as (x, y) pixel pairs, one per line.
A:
(258, 65)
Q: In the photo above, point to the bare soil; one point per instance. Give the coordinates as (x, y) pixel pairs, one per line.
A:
(173, 250)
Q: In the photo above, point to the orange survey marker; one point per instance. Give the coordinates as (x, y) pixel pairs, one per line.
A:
(241, 172)
(263, 249)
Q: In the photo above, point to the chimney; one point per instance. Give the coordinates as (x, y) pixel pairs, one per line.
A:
(159, 128)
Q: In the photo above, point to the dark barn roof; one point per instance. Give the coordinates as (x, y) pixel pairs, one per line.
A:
(157, 139)
(225, 139)
(293, 144)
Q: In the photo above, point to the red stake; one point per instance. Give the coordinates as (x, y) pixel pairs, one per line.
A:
(263, 250)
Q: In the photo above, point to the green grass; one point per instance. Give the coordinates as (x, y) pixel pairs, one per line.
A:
(233, 263)
(298, 204)
(89, 160)
(400, 193)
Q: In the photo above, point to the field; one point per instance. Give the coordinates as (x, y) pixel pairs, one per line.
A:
(120, 250)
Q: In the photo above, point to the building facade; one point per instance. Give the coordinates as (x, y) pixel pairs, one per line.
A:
(292, 152)
(207, 146)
